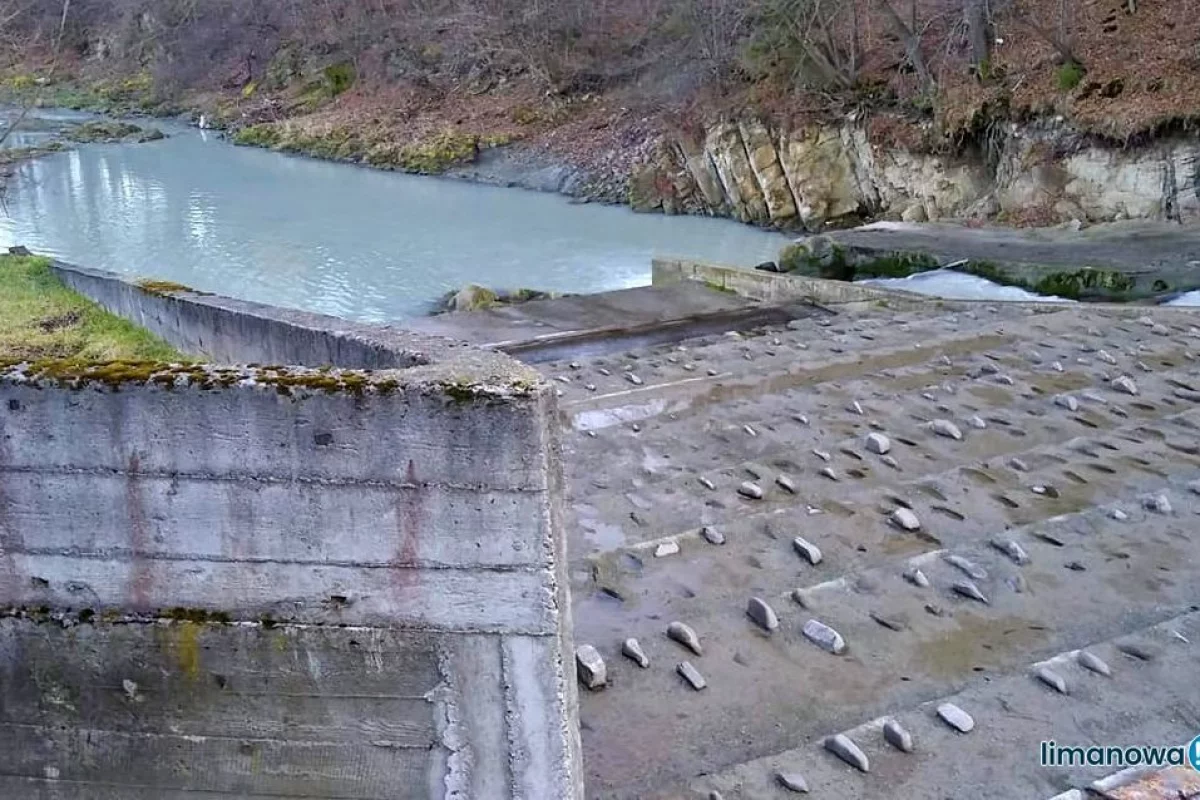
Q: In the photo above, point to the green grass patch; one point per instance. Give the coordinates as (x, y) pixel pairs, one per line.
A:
(1069, 75)
(40, 318)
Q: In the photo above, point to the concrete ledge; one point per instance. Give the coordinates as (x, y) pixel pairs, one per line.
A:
(228, 331)
(773, 287)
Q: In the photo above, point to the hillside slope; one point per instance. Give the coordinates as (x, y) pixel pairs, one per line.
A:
(431, 85)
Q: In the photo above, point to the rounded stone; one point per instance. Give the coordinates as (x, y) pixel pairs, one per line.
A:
(956, 718)
(1067, 401)
(1094, 663)
(792, 781)
(970, 568)
(632, 649)
(683, 633)
(808, 550)
(917, 578)
(763, 615)
(751, 490)
(969, 590)
(1125, 385)
(905, 519)
(692, 675)
(897, 736)
(947, 429)
(1011, 549)
(824, 637)
(1051, 679)
(712, 535)
(844, 748)
(878, 443)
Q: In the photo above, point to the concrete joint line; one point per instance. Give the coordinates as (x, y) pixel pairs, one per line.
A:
(279, 480)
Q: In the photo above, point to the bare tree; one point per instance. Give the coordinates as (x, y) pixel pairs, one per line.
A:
(910, 35)
(1058, 35)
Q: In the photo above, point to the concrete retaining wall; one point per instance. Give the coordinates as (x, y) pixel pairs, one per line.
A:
(772, 287)
(250, 582)
(231, 331)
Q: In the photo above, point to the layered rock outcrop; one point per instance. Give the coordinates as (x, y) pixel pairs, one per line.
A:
(822, 176)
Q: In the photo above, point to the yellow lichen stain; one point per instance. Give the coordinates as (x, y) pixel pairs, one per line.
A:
(185, 641)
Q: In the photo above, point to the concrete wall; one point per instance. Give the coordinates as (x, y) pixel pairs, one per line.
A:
(249, 582)
(772, 287)
(233, 331)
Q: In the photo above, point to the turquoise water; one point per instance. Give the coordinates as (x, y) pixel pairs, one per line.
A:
(335, 238)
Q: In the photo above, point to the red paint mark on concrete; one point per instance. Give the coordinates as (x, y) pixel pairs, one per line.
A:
(410, 520)
(140, 568)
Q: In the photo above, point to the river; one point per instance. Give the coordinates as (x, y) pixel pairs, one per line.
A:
(333, 238)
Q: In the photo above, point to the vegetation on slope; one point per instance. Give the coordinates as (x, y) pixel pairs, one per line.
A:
(592, 81)
(40, 318)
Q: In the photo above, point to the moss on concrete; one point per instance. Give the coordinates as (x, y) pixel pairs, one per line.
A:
(836, 262)
(41, 319)
(166, 288)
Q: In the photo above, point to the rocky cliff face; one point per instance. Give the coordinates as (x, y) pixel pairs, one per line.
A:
(826, 176)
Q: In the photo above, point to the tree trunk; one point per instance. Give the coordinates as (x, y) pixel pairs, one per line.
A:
(979, 29)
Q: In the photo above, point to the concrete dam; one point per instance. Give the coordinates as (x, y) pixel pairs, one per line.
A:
(736, 536)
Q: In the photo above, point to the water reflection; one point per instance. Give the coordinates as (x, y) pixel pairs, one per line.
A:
(334, 238)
